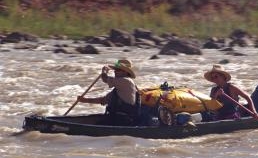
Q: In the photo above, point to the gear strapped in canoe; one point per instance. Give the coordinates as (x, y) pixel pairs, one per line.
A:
(179, 99)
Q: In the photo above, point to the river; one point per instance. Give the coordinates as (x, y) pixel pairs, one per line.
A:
(38, 81)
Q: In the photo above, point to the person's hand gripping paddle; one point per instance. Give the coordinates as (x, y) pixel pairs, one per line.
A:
(87, 90)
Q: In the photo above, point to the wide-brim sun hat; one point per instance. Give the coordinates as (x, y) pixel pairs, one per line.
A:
(124, 65)
(217, 69)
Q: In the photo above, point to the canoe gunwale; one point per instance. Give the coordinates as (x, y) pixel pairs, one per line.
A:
(57, 124)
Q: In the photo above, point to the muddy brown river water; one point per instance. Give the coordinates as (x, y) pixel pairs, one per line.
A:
(39, 81)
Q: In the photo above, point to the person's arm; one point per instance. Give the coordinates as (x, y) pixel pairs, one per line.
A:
(98, 100)
(215, 92)
(245, 96)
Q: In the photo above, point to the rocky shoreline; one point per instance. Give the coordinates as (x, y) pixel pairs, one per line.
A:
(166, 43)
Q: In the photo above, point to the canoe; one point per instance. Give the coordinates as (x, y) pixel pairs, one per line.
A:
(97, 125)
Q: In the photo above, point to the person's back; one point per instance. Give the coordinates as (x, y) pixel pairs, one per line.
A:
(254, 97)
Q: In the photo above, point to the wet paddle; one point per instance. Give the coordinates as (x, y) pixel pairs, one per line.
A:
(82, 95)
(241, 106)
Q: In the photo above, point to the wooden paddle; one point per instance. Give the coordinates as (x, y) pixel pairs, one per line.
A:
(241, 106)
(82, 95)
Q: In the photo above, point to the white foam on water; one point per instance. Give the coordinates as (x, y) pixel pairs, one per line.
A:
(9, 130)
(48, 61)
(4, 107)
(67, 89)
(1, 71)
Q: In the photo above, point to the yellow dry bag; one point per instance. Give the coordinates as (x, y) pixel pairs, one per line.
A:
(179, 100)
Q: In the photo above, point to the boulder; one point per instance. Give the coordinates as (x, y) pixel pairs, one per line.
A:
(89, 49)
(241, 38)
(214, 43)
(142, 33)
(180, 46)
(121, 37)
(16, 37)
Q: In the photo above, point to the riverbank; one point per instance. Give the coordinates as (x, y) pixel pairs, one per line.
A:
(73, 22)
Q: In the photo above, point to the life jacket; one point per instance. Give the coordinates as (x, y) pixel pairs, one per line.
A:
(116, 106)
(229, 110)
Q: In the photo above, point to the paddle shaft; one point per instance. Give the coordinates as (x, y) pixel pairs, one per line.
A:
(82, 95)
(241, 106)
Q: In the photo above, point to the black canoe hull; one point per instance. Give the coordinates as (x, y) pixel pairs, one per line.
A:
(93, 125)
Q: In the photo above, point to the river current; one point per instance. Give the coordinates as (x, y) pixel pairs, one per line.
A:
(38, 81)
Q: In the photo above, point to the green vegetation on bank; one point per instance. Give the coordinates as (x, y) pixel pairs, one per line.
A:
(68, 22)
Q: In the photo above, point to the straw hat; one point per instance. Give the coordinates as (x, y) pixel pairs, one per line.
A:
(124, 65)
(217, 69)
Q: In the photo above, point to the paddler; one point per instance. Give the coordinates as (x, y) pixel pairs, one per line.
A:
(123, 98)
(221, 78)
